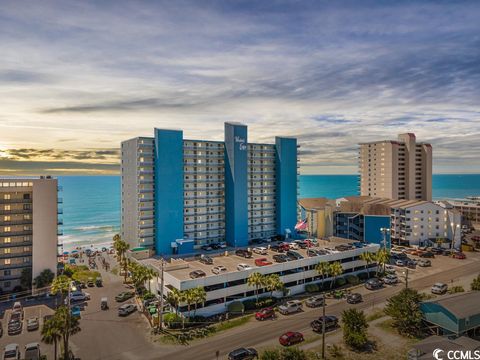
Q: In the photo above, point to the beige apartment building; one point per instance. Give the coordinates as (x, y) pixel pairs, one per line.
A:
(396, 169)
(28, 228)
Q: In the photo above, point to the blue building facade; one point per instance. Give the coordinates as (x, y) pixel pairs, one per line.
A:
(236, 199)
(287, 186)
(372, 233)
(361, 227)
(168, 189)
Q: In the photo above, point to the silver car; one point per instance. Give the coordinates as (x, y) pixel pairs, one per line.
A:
(219, 269)
(126, 309)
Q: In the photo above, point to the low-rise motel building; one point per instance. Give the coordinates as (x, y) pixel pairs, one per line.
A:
(231, 285)
(382, 220)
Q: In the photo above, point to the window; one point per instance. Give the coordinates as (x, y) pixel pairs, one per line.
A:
(7, 273)
(6, 196)
(6, 251)
(7, 261)
(7, 229)
(7, 240)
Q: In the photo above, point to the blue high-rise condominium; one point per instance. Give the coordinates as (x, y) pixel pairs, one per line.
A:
(180, 194)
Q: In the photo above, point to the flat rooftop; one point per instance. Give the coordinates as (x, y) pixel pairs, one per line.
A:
(181, 268)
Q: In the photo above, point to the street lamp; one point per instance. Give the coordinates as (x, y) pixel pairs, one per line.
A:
(384, 233)
(454, 227)
(405, 274)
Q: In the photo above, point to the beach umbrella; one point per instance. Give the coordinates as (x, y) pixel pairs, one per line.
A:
(66, 253)
(74, 251)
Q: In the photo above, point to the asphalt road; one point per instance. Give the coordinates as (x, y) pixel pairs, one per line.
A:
(261, 334)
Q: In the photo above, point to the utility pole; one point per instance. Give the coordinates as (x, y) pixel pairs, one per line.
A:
(323, 327)
(160, 312)
(406, 278)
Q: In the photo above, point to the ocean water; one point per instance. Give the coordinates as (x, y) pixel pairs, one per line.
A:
(91, 204)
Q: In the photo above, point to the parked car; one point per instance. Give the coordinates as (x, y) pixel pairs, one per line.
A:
(437, 251)
(293, 246)
(98, 282)
(11, 352)
(18, 308)
(126, 309)
(197, 274)
(76, 311)
(280, 258)
(124, 296)
(205, 259)
(32, 351)
(242, 267)
(264, 314)
(243, 253)
(14, 327)
(314, 301)
(312, 252)
(257, 241)
(447, 253)
(293, 255)
(301, 244)
(427, 254)
(32, 324)
(373, 284)
(389, 269)
(424, 263)
(354, 298)
(331, 323)
(276, 248)
(90, 282)
(290, 338)
(243, 354)
(260, 250)
(411, 264)
(262, 262)
(400, 262)
(390, 279)
(284, 246)
(219, 269)
(290, 307)
(206, 248)
(459, 255)
(439, 288)
(77, 296)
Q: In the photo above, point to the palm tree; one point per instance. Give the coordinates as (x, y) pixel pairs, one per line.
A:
(174, 298)
(336, 269)
(323, 269)
(257, 281)
(189, 298)
(273, 283)
(51, 334)
(382, 257)
(60, 285)
(368, 258)
(150, 274)
(69, 326)
(121, 248)
(200, 296)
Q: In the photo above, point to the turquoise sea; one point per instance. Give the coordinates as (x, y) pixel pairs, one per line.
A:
(91, 204)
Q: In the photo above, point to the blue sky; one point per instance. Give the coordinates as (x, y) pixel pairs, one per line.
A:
(78, 77)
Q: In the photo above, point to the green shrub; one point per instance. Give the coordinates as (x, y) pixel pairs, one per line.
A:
(363, 275)
(148, 296)
(340, 282)
(456, 289)
(172, 321)
(312, 288)
(352, 279)
(236, 307)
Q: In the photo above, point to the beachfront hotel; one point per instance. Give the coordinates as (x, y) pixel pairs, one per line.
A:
(28, 228)
(180, 194)
(396, 169)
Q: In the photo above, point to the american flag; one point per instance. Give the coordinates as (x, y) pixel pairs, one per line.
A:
(301, 225)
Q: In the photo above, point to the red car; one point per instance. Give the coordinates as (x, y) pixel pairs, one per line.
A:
(308, 243)
(284, 246)
(264, 314)
(459, 255)
(262, 262)
(290, 338)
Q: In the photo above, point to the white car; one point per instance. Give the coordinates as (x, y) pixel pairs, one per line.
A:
(219, 269)
(11, 352)
(290, 307)
(126, 309)
(32, 351)
(439, 288)
(260, 250)
(241, 267)
(293, 246)
(390, 279)
(77, 296)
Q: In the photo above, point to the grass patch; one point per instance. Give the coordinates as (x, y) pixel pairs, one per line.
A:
(114, 270)
(226, 325)
(375, 315)
(387, 326)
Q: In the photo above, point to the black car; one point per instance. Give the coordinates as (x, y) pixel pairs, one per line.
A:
(331, 322)
(301, 244)
(206, 248)
(354, 298)
(437, 251)
(197, 274)
(14, 327)
(257, 241)
(427, 254)
(243, 354)
(243, 253)
(293, 255)
(312, 252)
(276, 248)
(205, 259)
(280, 258)
(215, 246)
(373, 284)
(447, 253)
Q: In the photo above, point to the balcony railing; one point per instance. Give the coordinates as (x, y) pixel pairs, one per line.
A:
(15, 201)
(16, 233)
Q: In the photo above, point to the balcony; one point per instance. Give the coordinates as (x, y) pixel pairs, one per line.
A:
(59, 211)
(59, 200)
(14, 255)
(15, 201)
(59, 232)
(16, 265)
(16, 233)
(15, 222)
